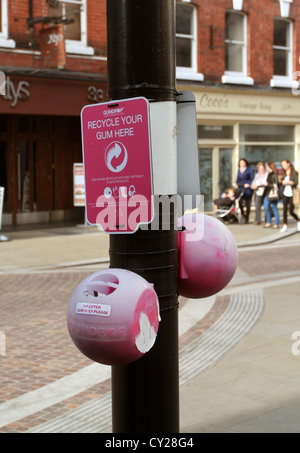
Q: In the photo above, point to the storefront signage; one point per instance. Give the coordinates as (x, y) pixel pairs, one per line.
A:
(78, 185)
(232, 104)
(223, 102)
(95, 94)
(117, 162)
(16, 91)
(40, 96)
(208, 101)
(2, 83)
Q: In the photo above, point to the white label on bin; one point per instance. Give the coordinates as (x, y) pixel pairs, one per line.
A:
(84, 308)
(147, 336)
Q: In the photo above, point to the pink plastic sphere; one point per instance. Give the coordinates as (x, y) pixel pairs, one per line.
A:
(208, 256)
(113, 316)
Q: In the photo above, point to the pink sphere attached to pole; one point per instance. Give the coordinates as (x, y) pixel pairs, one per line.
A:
(113, 316)
(208, 256)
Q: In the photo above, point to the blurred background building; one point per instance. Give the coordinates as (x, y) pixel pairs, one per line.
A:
(239, 57)
(53, 55)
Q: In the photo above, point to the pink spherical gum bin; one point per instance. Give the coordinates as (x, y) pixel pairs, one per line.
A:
(113, 316)
(208, 256)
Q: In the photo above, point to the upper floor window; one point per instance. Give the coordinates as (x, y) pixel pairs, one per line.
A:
(236, 48)
(2, 15)
(75, 32)
(282, 47)
(186, 42)
(283, 53)
(4, 41)
(235, 42)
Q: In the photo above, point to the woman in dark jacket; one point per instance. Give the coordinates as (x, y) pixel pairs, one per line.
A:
(289, 182)
(243, 181)
(271, 180)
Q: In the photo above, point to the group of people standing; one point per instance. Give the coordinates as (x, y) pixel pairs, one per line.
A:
(267, 186)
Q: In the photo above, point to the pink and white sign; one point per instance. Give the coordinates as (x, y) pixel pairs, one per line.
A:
(117, 164)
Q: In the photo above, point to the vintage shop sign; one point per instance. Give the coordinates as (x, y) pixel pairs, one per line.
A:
(246, 104)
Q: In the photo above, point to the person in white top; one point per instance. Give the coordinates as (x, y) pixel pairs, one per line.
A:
(258, 185)
(289, 182)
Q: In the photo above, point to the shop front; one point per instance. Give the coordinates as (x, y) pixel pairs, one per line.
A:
(259, 126)
(40, 140)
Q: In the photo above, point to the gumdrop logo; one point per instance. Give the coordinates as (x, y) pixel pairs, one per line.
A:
(116, 157)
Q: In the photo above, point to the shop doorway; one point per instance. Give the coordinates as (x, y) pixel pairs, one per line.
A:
(3, 170)
(37, 168)
(4, 161)
(35, 176)
(216, 172)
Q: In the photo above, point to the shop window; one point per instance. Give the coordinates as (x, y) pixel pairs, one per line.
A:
(215, 132)
(236, 49)
(267, 153)
(186, 42)
(266, 133)
(282, 53)
(4, 41)
(206, 175)
(75, 32)
(235, 42)
(267, 143)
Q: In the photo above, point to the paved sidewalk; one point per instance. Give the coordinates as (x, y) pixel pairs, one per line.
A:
(237, 370)
(60, 246)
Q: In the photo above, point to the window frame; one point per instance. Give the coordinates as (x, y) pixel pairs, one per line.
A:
(287, 80)
(238, 77)
(4, 40)
(79, 46)
(183, 72)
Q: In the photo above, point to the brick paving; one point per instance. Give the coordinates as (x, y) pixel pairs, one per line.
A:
(262, 262)
(39, 350)
(33, 318)
(38, 347)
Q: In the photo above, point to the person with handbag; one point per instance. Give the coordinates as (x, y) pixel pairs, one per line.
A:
(243, 181)
(271, 195)
(289, 182)
(258, 185)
